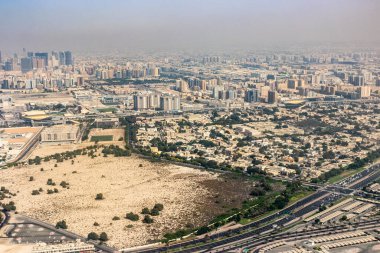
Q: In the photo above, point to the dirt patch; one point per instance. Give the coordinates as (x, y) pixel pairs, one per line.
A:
(128, 185)
(228, 192)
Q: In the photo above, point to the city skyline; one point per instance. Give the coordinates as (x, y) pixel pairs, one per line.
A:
(189, 126)
(104, 26)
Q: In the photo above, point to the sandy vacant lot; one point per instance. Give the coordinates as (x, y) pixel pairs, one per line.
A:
(127, 187)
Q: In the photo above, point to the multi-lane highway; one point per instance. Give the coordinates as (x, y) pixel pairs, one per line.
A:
(363, 225)
(235, 237)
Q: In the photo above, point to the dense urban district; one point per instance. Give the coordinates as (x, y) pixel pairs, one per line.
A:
(259, 152)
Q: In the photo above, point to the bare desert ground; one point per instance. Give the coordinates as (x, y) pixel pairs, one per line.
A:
(128, 185)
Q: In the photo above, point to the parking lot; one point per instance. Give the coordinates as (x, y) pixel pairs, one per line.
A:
(22, 230)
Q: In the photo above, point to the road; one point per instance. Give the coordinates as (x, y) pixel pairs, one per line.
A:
(293, 213)
(363, 225)
(28, 230)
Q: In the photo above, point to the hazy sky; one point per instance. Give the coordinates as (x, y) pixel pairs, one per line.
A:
(90, 25)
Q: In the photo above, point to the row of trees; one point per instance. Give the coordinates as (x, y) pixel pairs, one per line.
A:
(116, 151)
(358, 163)
(60, 157)
(103, 237)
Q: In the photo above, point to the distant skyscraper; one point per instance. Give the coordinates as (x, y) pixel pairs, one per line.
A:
(231, 94)
(252, 95)
(44, 57)
(203, 85)
(9, 65)
(140, 102)
(38, 63)
(364, 91)
(358, 80)
(69, 58)
(292, 84)
(61, 57)
(272, 97)
(154, 100)
(0, 58)
(216, 92)
(26, 64)
(182, 85)
(169, 103)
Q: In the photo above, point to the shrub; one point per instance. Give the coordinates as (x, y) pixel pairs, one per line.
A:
(145, 210)
(93, 236)
(159, 207)
(9, 207)
(116, 218)
(147, 219)
(154, 212)
(35, 192)
(103, 237)
(64, 184)
(61, 224)
(96, 224)
(99, 196)
(131, 216)
(202, 230)
(31, 178)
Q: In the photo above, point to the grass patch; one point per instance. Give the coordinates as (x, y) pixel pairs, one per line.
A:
(292, 200)
(245, 221)
(299, 196)
(98, 138)
(344, 174)
(109, 109)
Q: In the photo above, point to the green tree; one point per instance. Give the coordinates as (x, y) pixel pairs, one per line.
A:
(61, 224)
(103, 237)
(131, 216)
(154, 212)
(93, 236)
(35, 192)
(147, 219)
(49, 181)
(99, 196)
(202, 230)
(159, 206)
